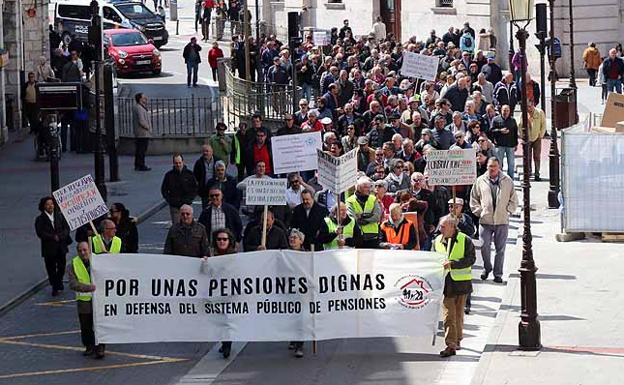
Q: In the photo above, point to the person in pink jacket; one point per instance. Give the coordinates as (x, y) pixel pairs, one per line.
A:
(213, 55)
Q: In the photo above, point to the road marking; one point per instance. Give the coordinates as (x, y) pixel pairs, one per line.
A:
(38, 335)
(92, 369)
(207, 370)
(56, 303)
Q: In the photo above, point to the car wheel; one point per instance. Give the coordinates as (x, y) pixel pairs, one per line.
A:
(157, 72)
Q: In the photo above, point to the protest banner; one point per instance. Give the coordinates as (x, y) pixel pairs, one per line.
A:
(80, 202)
(272, 295)
(293, 153)
(420, 66)
(266, 192)
(321, 38)
(451, 167)
(337, 174)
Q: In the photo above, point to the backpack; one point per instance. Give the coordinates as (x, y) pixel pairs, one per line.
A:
(468, 41)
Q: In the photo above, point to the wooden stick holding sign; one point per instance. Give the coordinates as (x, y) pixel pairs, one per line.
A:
(96, 234)
(265, 192)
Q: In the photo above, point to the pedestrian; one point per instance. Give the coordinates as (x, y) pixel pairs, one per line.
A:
(308, 217)
(397, 232)
(225, 183)
(107, 242)
(53, 232)
(79, 275)
(31, 109)
(72, 70)
(506, 92)
(126, 228)
(613, 70)
(178, 188)
(43, 71)
(603, 83)
(460, 256)
(142, 131)
(221, 143)
(364, 208)
(223, 243)
(504, 132)
(591, 62)
(275, 236)
(537, 129)
(192, 59)
(493, 199)
(214, 54)
(219, 214)
(296, 241)
(161, 13)
(187, 237)
(207, 6)
(379, 29)
(338, 230)
(204, 170)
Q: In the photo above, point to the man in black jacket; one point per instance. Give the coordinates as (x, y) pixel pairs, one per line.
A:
(226, 184)
(178, 187)
(308, 217)
(192, 58)
(204, 170)
(219, 215)
(457, 94)
(53, 231)
(504, 133)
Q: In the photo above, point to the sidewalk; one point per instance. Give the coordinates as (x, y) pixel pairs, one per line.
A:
(25, 181)
(579, 303)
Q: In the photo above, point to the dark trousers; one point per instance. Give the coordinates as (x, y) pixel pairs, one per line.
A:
(31, 113)
(140, 148)
(592, 77)
(191, 70)
(214, 74)
(55, 266)
(87, 334)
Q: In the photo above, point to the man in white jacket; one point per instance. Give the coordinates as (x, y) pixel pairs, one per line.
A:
(379, 29)
(492, 199)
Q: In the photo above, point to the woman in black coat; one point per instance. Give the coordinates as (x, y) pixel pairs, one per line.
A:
(126, 228)
(53, 231)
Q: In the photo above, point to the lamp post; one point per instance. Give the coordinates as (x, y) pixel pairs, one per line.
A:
(521, 12)
(553, 156)
(572, 83)
(95, 39)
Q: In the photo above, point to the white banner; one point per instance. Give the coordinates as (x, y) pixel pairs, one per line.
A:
(452, 167)
(266, 296)
(337, 174)
(271, 192)
(80, 202)
(292, 153)
(420, 66)
(321, 38)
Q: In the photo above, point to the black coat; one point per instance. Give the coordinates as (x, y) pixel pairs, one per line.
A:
(232, 220)
(231, 194)
(187, 51)
(127, 231)
(500, 139)
(309, 225)
(199, 170)
(456, 97)
(51, 247)
(179, 188)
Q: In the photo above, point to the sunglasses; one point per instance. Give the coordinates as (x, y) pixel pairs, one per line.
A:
(222, 239)
(214, 195)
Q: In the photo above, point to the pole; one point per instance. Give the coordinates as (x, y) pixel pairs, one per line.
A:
(258, 62)
(572, 83)
(247, 33)
(98, 155)
(553, 156)
(264, 226)
(54, 158)
(109, 124)
(529, 327)
(511, 46)
(542, 36)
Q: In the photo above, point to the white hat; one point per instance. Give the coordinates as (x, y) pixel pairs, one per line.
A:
(458, 201)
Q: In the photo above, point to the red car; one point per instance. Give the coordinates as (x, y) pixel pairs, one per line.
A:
(131, 51)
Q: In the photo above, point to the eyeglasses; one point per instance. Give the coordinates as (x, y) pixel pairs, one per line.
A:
(110, 228)
(214, 195)
(288, 119)
(398, 167)
(379, 154)
(222, 239)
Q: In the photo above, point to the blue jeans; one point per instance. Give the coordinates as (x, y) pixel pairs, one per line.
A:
(502, 152)
(307, 91)
(498, 233)
(614, 85)
(191, 68)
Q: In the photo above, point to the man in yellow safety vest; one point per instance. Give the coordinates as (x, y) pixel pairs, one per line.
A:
(338, 230)
(460, 256)
(79, 274)
(106, 242)
(365, 209)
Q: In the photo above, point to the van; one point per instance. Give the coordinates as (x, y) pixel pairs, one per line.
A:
(72, 19)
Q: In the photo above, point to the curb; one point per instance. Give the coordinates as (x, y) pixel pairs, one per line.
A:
(20, 298)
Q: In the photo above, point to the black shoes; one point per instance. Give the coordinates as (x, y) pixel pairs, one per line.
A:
(447, 352)
(99, 352)
(498, 280)
(142, 168)
(467, 310)
(225, 349)
(299, 352)
(537, 178)
(484, 275)
(88, 351)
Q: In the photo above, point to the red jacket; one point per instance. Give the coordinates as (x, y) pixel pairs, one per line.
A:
(213, 55)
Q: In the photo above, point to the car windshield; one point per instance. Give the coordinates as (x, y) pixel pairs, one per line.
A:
(128, 39)
(134, 11)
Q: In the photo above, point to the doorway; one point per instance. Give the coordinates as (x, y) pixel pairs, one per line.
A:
(390, 11)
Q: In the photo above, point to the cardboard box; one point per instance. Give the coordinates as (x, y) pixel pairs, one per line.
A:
(614, 110)
(608, 130)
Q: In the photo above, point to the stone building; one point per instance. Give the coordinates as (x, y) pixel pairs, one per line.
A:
(24, 37)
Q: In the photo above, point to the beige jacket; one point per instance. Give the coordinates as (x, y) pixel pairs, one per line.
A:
(482, 205)
(141, 121)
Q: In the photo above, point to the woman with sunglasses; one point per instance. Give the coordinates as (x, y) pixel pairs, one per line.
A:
(223, 243)
(397, 179)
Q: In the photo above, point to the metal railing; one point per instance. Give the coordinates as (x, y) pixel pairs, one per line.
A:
(173, 117)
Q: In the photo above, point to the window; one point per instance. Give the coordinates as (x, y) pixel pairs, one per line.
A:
(82, 12)
(445, 3)
(334, 1)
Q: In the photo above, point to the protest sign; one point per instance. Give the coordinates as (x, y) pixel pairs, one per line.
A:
(267, 191)
(420, 66)
(80, 202)
(272, 295)
(293, 153)
(337, 174)
(451, 167)
(321, 38)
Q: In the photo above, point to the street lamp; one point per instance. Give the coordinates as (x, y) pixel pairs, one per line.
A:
(553, 156)
(521, 13)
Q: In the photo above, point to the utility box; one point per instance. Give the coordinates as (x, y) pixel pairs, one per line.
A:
(565, 105)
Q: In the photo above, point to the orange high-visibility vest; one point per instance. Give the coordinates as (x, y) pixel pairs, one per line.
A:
(402, 237)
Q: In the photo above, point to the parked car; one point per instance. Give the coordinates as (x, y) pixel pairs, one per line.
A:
(131, 51)
(72, 19)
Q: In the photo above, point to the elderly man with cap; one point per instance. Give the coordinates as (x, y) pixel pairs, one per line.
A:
(365, 154)
(460, 256)
(397, 232)
(338, 230)
(364, 208)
